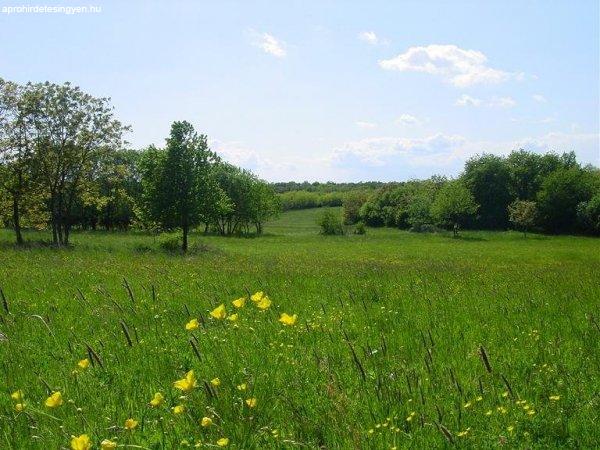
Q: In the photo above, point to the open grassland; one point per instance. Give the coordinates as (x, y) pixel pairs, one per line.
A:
(402, 340)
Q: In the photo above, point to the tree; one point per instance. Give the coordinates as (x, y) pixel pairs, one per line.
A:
(588, 215)
(74, 133)
(264, 204)
(453, 206)
(488, 179)
(352, 203)
(176, 180)
(559, 196)
(16, 147)
(523, 214)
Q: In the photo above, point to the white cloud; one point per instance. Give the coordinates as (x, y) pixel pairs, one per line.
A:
(539, 98)
(408, 119)
(269, 44)
(502, 102)
(365, 125)
(467, 100)
(377, 152)
(371, 38)
(457, 66)
(392, 158)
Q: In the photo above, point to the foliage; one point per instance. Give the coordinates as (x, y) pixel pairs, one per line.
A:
(453, 206)
(178, 181)
(488, 179)
(523, 214)
(588, 215)
(559, 196)
(352, 203)
(360, 228)
(330, 223)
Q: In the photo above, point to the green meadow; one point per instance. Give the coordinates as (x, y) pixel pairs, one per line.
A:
(402, 340)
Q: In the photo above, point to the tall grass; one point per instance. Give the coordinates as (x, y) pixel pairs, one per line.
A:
(402, 340)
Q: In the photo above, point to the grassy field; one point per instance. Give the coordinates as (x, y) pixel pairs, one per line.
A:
(401, 341)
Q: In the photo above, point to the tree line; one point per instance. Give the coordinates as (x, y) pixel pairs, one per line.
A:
(63, 165)
(524, 190)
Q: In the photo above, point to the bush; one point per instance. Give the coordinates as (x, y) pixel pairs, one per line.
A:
(588, 215)
(170, 242)
(360, 228)
(330, 223)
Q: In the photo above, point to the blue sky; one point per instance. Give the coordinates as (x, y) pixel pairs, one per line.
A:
(330, 90)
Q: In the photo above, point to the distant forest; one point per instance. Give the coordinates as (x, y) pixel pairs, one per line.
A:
(64, 165)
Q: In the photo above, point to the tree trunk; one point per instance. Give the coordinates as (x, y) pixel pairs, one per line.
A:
(17, 220)
(66, 234)
(184, 246)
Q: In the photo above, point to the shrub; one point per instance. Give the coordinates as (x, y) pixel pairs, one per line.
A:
(360, 228)
(330, 223)
(588, 215)
(523, 214)
(170, 242)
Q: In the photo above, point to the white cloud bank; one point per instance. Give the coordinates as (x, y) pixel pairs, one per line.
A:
(395, 158)
(402, 158)
(459, 67)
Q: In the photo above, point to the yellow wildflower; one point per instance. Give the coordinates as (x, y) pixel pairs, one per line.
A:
(223, 442)
(81, 442)
(501, 409)
(242, 387)
(488, 412)
(286, 319)
(554, 398)
(257, 296)
(411, 416)
(188, 383)
(55, 400)
(179, 409)
(264, 303)
(17, 396)
(510, 428)
(251, 402)
(240, 302)
(531, 412)
(157, 400)
(467, 405)
(130, 424)
(83, 364)
(19, 407)
(206, 422)
(464, 432)
(192, 325)
(480, 398)
(233, 317)
(219, 312)
(215, 381)
(107, 444)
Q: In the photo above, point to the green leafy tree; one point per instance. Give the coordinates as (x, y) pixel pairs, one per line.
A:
(588, 215)
(453, 206)
(561, 192)
(177, 180)
(16, 149)
(74, 134)
(523, 214)
(352, 203)
(488, 179)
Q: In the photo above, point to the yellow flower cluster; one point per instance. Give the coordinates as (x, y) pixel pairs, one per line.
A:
(259, 299)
